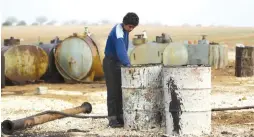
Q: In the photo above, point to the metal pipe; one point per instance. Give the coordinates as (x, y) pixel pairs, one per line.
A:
(8, 127)
(233, 108)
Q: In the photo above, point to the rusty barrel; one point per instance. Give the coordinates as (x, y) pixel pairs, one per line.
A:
(2, 71)
(24, 63)
(187, 95)
(244, 61)
(142, 97)
(52, 75)
(79, 59)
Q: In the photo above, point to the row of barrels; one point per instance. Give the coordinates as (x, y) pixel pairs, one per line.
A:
(75, 59)
(177, 53)
(79, 59)
(175, 99)
(215, 55)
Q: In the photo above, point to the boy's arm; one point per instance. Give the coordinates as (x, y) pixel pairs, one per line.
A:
(121, 52)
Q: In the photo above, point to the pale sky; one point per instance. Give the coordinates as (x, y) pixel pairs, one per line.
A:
(170, 12)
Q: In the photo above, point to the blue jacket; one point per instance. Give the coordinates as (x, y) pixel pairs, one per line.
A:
(117, 45)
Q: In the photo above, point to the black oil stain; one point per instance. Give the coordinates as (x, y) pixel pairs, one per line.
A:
(137, 115)
(158, 117)
(132, 74)
(175, 105)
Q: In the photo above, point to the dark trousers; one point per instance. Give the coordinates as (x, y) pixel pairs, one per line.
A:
(112, 73)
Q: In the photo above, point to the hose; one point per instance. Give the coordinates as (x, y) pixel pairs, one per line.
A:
(105, 116)
(70, 115)
(232, 108)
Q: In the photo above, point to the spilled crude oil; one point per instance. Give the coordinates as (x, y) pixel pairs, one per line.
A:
(175, 105)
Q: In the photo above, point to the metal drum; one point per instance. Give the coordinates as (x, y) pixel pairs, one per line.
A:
(187, 94)
(52, 75)
(78, 59)
(2, 71)
(175, 54)
(218, 56)
(214, 56)
(198, 54)
(142, 97)
(24, 63)
(148, 53)
(244, 61)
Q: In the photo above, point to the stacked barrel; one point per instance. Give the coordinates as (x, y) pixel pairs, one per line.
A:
(142, 97)
(166, 91)
(187, 95)
(174, 98)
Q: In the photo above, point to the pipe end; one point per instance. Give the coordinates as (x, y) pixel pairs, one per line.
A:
(7, 127)
(87, 106)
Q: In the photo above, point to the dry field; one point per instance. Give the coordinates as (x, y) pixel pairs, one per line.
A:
(228, 35)
(227, 90)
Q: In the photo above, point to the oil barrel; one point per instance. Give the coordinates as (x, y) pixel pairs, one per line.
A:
(244, 61)
(52, 75)
(24, 63)
(79, 59)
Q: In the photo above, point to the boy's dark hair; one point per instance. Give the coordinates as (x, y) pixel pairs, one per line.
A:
(131, 18)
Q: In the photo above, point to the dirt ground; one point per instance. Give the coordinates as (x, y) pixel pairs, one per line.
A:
(226, 123)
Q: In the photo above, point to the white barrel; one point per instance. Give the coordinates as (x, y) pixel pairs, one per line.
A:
(142, 76)
(187, 94)
(148, 53)
(218, 56)
(142, 95)
(224, 55)
(175, 54)
(214, 56)
(221, 56)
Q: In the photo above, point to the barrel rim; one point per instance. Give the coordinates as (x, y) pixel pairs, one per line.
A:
(142, 65)
(244, 47)
(187, 66)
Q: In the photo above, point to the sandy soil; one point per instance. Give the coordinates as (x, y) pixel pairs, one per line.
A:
(226, 123)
